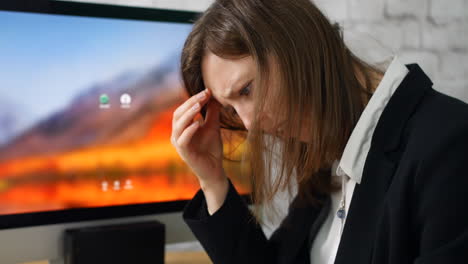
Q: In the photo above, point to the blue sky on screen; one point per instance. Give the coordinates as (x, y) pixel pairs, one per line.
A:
(47, 59)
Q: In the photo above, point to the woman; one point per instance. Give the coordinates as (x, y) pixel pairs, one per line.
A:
(376, 153)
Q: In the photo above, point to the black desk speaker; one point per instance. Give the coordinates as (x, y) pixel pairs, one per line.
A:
(116, 244)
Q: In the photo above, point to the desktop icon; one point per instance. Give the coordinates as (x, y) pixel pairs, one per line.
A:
(104, 186)
(128, 185)
(125, 100)
(104, 101)
(116, 185)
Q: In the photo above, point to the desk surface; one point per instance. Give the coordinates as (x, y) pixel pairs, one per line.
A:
(187, 258)
(197, 257)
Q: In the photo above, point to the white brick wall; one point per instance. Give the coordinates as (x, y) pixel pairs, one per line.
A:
(364, 10)
(406, 8)
(433, 33)
(442, 11)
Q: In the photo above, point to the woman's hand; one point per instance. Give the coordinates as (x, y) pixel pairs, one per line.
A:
(198, 142)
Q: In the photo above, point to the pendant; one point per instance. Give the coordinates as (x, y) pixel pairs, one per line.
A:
(341, 213)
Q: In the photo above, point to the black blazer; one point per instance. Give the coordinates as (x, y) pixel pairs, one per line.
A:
(411, 206)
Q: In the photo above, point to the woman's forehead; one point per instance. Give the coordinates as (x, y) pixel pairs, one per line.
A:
(222, 76)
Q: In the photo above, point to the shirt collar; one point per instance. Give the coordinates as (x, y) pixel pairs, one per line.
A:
(358, 145)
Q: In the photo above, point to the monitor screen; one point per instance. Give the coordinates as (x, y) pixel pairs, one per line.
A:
(86, 109)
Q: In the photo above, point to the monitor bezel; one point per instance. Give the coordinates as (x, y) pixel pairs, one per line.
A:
(102, 11)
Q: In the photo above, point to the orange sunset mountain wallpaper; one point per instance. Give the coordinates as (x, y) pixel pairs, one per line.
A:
(91, 154)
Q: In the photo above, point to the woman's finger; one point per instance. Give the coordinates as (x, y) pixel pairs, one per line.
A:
(187, 118)
(184, 140)
(197, 98)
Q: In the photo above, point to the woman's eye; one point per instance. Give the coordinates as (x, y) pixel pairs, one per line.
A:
(246, 90)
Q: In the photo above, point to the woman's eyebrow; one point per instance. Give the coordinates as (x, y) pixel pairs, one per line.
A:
(228, 94)
(231, 89)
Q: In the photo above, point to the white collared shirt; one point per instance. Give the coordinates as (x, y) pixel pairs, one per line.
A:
(351, 164)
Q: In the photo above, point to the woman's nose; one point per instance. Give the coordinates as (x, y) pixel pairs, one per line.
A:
(245, 118)
(247, 122)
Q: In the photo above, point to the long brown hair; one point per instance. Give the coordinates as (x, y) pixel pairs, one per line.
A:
(318, 88)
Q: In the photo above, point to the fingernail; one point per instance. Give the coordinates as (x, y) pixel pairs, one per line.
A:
(202, 95)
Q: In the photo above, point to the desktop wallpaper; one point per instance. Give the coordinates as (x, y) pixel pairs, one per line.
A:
(86, 110)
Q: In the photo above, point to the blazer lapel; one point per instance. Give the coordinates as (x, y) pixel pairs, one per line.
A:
(366, 205)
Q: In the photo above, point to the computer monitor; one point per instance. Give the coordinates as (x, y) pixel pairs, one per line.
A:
(87, 93)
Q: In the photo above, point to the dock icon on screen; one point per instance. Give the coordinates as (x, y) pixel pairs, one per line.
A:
(104, 101)
(125, 100)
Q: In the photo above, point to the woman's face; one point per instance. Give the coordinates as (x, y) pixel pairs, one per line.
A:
(230, 82)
